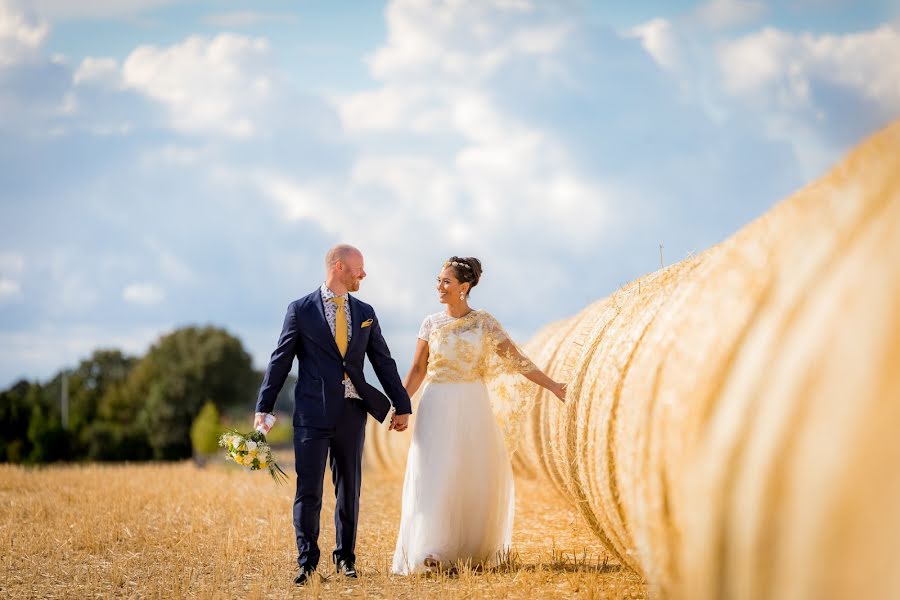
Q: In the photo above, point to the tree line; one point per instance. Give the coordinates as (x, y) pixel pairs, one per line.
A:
(123, 407)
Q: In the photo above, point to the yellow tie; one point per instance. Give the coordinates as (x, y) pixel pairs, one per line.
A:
(340, 325)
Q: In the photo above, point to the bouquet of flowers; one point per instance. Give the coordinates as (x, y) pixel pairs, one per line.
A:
(252, 450)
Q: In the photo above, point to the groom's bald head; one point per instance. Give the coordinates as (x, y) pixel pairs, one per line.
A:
(344, 268)
(341, 252)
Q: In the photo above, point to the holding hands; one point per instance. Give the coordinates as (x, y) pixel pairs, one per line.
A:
(399, 423)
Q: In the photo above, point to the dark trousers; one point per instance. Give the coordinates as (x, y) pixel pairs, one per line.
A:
(343, 444)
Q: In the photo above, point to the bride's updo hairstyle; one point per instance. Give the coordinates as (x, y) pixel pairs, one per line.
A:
(466, 269)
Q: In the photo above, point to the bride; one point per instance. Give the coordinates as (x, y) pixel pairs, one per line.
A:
(458, 495)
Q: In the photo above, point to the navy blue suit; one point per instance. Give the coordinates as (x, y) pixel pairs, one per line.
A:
(325, 422)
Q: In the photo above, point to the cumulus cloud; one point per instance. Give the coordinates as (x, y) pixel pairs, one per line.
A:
(437, 70)
(464, 40)
(659, 39)
(103, 71)
(802, 87)
(778, 67)
(21, 33)
(218, 85)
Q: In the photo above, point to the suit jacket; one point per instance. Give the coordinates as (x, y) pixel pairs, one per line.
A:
(319, 393)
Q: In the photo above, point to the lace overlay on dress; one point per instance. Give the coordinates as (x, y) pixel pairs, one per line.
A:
(475, 347)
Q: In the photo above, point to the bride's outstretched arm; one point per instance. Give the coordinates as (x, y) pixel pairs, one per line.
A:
(419, 367)
(530, 371)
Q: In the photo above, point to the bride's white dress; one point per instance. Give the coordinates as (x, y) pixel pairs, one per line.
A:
(458, 494)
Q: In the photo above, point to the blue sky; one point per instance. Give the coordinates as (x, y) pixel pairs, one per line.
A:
(167, 163)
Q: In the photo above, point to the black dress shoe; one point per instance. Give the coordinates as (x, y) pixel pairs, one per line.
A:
(347, 567)
(304, 575)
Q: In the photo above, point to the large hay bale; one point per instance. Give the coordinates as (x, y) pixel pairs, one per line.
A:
(731, 424)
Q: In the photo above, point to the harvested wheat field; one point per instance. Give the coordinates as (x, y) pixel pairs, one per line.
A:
(176, 530)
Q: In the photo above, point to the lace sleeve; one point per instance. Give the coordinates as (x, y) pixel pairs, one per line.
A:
(512, 395)
(425, 329)
(511, 357)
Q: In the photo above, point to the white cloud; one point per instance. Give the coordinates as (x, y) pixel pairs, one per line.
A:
(801, 86)
(409, 107)
(409, 179)
(501, 174)
(104, 71)
(463, 40)
(9, 289)
(219, 86)
(247, 18)
(21, 34)
(659, 40)
(722, 14)
(297, 200)
(780, 68)
(143, 293)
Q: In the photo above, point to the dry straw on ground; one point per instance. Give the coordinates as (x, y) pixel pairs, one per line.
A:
(732, 424)
(174, 531)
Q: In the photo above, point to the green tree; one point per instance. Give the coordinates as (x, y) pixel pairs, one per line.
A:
(117, 433)
(168, 387)
(15, 414)
(49, 441)
(91, 381)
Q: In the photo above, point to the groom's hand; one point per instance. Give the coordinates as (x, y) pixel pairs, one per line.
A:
(399, 422)
(258, 420)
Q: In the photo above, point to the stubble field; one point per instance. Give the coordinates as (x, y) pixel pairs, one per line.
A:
(176, 530)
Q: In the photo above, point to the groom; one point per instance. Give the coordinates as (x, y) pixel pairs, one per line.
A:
(330, 333)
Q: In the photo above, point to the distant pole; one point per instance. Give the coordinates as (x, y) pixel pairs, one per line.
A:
(660, 256)
(64, 401)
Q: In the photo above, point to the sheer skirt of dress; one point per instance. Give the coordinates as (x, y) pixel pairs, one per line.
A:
(458, 493)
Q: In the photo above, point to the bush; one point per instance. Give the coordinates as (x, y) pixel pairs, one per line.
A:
(205, 430)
